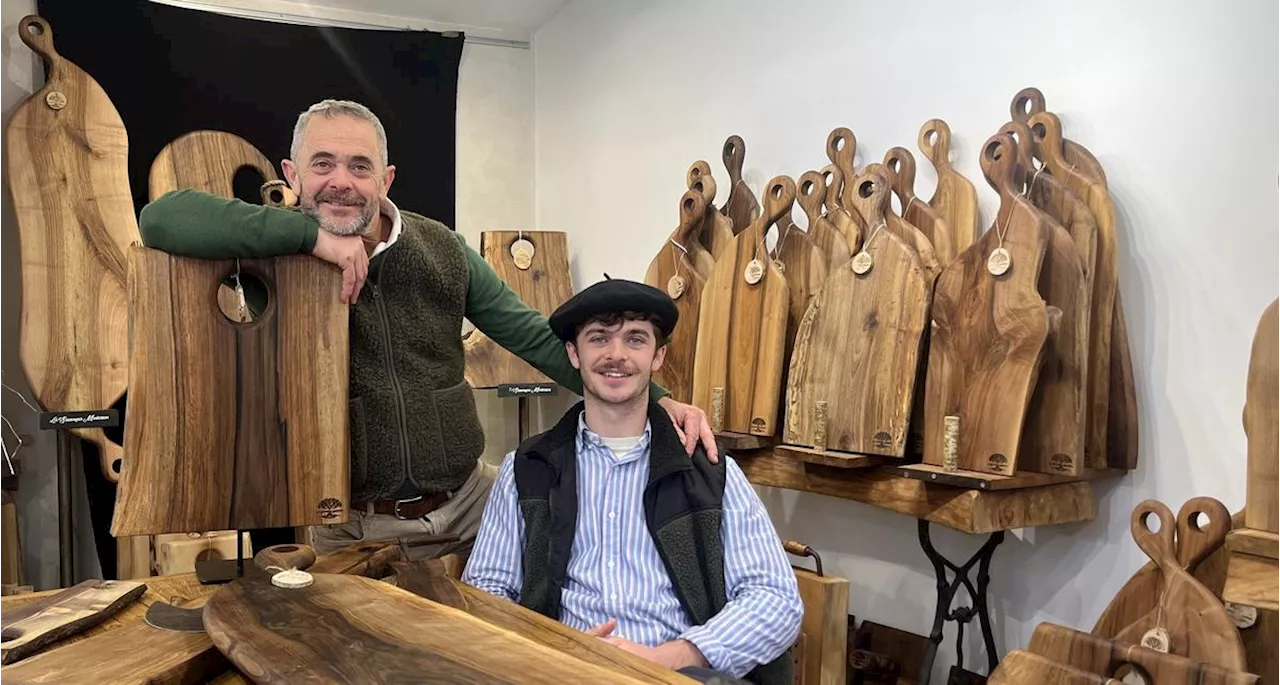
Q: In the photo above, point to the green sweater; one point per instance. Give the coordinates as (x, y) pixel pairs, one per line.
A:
(192, 223)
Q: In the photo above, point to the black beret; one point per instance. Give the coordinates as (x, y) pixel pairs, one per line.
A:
(614, 296)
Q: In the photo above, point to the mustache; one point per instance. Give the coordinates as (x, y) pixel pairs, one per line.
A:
(614, 367)
(339, 198)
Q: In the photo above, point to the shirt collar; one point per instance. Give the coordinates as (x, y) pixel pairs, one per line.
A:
(393, 212)
(587, 437)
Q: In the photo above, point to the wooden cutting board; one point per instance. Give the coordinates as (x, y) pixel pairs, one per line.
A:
(842, 147)
(955, 198)
(900, 165)
(1046, 132)
(742, 329)
(66, 161)
(1194, 622)
(1019, 667)
(1122, 399)
(824, 628)
(715, 231)
(1106, 658)
(672, 272)
(989, 332)
(1029, 102)
(741, 208)
(812, 194)
(346, 628)
(848, 224)
(1262, 424)
(255, 435)
(805, 266)
(545, 285)
(33, 627)
(205, 160)
(900, 227)
(853, 369)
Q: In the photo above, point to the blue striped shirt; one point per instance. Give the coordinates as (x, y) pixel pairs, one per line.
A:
(615, 570)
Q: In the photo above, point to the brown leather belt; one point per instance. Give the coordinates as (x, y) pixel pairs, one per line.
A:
(405, 508)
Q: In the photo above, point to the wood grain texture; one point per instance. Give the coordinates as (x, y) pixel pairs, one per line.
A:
(1197, 625)
(862, 331)
(205, 160)
(234, 425)
(993, 482)
(545, 285)
(955, 198)
(1259, 543)
(842, 147)
(1030, 101)
(1122, 397)
(824, 627)
(33, 627)
(716, 230)
(1020, 667)
(676, 374)
(907, 233)
(811, 194)
(968, 511)
(1046, 133)
(285, 557)
(742, 207)
(900, 166)
(1251, 581)
(848, 224)
(742, 329)
(1262, 425)
(1105, 657)
(805, 266)
(68, 179)
(355, 629)
(988, 334)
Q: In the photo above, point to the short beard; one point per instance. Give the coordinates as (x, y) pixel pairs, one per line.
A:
(356, 226)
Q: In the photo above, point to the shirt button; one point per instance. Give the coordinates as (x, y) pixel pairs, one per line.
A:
(613, 596)
(613, 515)
(611, 564)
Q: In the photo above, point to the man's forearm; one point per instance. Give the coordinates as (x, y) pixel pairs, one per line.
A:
(678, 654)
(193, 223)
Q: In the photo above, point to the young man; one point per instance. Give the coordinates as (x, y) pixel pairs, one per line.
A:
(604, 523)
(415, 436)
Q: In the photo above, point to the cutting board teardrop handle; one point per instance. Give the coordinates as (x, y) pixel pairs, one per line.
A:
(842, 145)
(706, 185)
(697, 170)
(1156, 544)
(834, 179)
(902, 165)
(734, 154)
(869, 197)
(999, 161)
(38, 36)
(1197, 541)
(1021, 134)
(285, 557)
(692, 206)
(779, 198)
(1046, 135)
(1028, 102)
(812, 195)
(935, 142)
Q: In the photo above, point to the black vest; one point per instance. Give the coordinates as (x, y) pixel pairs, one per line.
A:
(682, 506)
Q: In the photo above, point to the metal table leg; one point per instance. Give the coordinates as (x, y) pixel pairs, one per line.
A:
(946, 595)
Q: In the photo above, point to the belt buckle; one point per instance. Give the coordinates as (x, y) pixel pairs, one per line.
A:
(405, 501)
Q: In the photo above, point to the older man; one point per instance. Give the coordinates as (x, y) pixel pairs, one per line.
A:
(415, 436)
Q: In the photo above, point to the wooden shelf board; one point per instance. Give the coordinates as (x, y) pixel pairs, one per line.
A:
(970, 511)
(1259, 543)
(840, 460)
(992, 482)
(1252, 581)
(730, 441)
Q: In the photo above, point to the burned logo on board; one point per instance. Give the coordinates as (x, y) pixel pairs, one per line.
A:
(329, 508)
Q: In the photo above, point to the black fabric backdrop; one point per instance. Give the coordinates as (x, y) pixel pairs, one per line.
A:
(170, 70)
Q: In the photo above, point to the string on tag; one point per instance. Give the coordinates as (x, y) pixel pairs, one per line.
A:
(244, 306)
(674, 259)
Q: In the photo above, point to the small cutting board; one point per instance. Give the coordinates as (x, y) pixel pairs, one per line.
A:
(1261, 418)
(1105, 657)
(989, 332)
(847, 223)
(900, 165)
(742, 329)
(345, 628)
(1029, 102)
(544, 285)
(715, 231)
(29, 629)
(205, 160)
(742, 207)
(830, 241)
(804, 264)
(673, 273)
(853, 369)
(955, 198)
(900, 227)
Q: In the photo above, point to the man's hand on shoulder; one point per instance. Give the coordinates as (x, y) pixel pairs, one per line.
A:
(347, 253)
(692, 426)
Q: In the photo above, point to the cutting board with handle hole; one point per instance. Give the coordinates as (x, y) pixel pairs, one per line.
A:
(955, 198)
(1108, 658)
(673, 273)
(900, 227)
(842, 147)
(205, 160)
(742, 207)
(853, 369)
(345, 628)
(742, 329)
(805, 266)
(33, 627)
(715, 231)
(1029, 102)
(847, 223)
(1195, 623)
(900, 165)
(989, 332)
(1053, 439)
(66, 161)
(811, 193)
(1046, 134)
(1020, 667)
(545, 285)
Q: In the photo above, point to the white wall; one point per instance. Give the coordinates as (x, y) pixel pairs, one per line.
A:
(1177, 99)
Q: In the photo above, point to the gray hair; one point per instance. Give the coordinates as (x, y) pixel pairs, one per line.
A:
(331, 108)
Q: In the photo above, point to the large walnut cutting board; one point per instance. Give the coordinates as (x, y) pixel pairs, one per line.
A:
(742, 329)
(205, 160)
(234, 425)
(66, 161)
(545, 285)
(345, 628)
(989, 332)
(853, 369)
(742, 208)
(954, 198)
(674, 273)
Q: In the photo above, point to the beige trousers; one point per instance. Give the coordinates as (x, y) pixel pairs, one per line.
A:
(458, 516)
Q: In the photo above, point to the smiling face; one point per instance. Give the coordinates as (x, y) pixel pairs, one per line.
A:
(338, 174)
(617, 359)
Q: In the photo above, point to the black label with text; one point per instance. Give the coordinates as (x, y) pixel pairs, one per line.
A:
(64, 420)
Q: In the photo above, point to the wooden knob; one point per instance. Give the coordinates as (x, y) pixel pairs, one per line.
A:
(285, 557)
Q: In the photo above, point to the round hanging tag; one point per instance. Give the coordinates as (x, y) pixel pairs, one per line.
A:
(1242, 615)
(55, 99)
(861, 263)
(1157, 639)
(291, 579)
(999, 261)
(675, 287)
(755, 271)
(522, 253)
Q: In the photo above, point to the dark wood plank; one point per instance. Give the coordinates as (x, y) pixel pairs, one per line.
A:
(29, 629)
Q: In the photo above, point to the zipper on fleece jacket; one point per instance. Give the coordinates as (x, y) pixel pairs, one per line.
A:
(402, 416)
